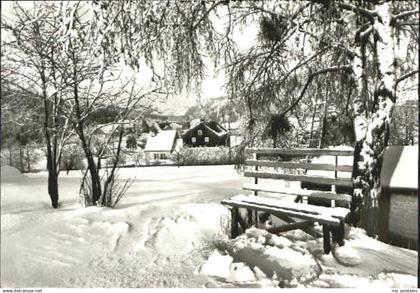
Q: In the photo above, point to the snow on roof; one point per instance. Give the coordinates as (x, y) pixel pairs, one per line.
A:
(194, 123)
(163, 141)
(109, 128)
(219, 134)
(400, 168)
(233, 125)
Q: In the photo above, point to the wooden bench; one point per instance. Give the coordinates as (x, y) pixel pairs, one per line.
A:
(271, 164)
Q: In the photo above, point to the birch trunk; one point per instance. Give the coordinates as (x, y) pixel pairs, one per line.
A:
(372, 132)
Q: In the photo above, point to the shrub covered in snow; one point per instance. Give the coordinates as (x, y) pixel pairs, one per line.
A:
(72, 158)
(24, 158)
(203, 156)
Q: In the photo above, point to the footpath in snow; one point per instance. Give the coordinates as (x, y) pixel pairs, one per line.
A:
(171, 231)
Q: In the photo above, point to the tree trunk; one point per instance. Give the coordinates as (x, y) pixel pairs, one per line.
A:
(52, 179)
(53, 189)
(28, 158)
(372, 133)
(93, 171)
(107, 195)
(99, 163)
(10, 155)
(21, 165)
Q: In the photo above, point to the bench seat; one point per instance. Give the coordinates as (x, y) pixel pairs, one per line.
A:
(322, 215)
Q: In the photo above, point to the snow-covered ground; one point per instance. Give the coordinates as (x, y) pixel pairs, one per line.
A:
(171, 231)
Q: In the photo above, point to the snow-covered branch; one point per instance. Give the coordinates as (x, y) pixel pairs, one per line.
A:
(405, 76)
(404, 14)
(363, 32)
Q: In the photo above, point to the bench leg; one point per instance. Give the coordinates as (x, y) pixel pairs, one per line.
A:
(242, 223)
(256, 218)
(249, 217)
(338, 234)
(327, 240)
(234, 223)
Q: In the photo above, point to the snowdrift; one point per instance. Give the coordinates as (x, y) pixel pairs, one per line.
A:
(295, 259)
(11, 174)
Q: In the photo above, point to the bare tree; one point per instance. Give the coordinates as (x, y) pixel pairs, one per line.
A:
(93, 85)
(31, 70)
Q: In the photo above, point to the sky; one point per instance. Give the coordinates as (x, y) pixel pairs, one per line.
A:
(212, 86)
(177, 104)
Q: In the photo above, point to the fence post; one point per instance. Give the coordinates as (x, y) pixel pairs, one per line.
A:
(255, 214)
(333, 187)
(255, 157)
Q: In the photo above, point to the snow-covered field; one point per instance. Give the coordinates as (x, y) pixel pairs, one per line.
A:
(171, 231)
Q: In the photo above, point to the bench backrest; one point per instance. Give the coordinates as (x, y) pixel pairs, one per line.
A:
(281, 158)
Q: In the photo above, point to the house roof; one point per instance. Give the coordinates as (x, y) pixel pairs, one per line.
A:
(163, 141)
(220, 134)
(214, 127)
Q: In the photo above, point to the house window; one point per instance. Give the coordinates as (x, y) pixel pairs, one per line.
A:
(199, 132)
(207, 139)
(156, 156)
(193, 139)
(162, 156)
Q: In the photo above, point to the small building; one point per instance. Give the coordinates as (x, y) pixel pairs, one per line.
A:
(235, 135)
(398, 205)
(205, 134)
(160, 147)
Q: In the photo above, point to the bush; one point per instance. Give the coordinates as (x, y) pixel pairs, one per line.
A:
(115, 190)
(72, 158)
(121, 160)
(131, 142)
(204, 156)
(23, 157)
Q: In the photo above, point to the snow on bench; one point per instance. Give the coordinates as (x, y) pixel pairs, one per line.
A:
(323, 215)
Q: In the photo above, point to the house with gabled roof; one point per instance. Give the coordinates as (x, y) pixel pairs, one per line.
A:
(159, 147)
(202, 133)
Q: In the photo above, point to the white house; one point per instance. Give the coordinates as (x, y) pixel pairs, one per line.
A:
(235, 135)
(159, 147)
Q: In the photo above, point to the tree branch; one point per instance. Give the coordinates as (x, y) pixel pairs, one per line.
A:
(404, 14)
(365, 12)
(363, 32)
(304, 62)
(206, 14)
(308, 82)
(405, 76)
(346, 6)
(408, 22)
